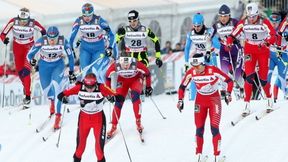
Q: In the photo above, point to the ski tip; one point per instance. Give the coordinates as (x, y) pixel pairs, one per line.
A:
(232, 123)
(57, 145)
(257, 118)
(37, 131)
(44, 139)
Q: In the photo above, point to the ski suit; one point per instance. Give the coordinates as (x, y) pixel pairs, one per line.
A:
(93, 44)
(207, 101)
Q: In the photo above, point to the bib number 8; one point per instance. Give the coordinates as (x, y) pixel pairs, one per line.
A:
(254, 36)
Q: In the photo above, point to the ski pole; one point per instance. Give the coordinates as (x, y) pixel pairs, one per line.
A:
(89, 66)
(126, 146)
(31, 89)
(4, 76)
(59, 135)
(157, 107)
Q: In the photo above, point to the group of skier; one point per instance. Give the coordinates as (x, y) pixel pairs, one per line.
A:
(245, 44)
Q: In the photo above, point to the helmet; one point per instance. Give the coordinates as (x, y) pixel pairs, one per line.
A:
(90, 80)
(52, 32)
(285, 34)
(275, 17)
(125, 62)
(87, 9)
(133, 14)
(198, 19)
(24, 13)
(252, 9)
(224, 10)
(197, 59)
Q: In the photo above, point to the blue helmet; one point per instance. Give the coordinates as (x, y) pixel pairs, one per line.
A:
(52, 32)
(224, 10)
(198, 19)
(87, 9)
(275, 17)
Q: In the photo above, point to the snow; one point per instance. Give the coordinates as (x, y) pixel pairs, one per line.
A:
(166, 140)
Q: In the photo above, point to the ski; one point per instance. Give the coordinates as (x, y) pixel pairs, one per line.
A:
(109, 138)
(48, 135)
(44, 124)
(222, 159)
(264, 113)
(141, 137)
(204, 159)
(237, 120)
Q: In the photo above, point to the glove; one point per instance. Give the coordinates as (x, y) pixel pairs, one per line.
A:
(6, 40)
(72, 77)
(180, 105)
(33, 62)
(228, 98)
(78, 43)
(62, 98)
(148, 91)
(108, 51)
(111, 99)
(207, 56)
(186, 66)
(159, 62)
(278, 53)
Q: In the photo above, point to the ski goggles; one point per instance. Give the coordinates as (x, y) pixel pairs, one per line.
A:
(197, 61)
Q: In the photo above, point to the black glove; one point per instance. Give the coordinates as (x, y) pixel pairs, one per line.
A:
(62, 98)
(207, 56)
(78, 43)
(33, 62)
(228, 98)
(111, 99)
(6, 40)
(159, 62)
(108, 51)
(121, 31)
(148, 91)
(279, 54)
(72, 77)
(285, 35)
(186, 67)
(180, 105)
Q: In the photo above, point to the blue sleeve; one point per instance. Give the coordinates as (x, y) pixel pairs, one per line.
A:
(70, 55)
(187, 47)
(74, 32)
(115, 51)
(35, 48)
(104, 25)
(214, 30)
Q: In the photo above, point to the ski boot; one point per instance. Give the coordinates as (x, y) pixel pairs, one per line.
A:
(52, 108)
(246, 111)
(57, 121)
(142, 96)
(112, 131)
(269, 105)
(223, 94)
(26, 102)
(139, 126)
(76, 159)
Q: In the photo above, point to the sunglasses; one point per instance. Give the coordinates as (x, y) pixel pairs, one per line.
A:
(90, 86)
(197, 26)
(131, 21)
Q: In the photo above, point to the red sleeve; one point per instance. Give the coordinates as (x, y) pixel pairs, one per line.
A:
(39, 27)
(185, 81)
(283, 25)
(227, 79)
(106, 91)
(109, 72)
(73, 90)
(272, 33)
(145, 71)
(6, 29)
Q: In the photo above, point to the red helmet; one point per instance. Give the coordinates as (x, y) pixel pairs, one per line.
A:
(90, 80)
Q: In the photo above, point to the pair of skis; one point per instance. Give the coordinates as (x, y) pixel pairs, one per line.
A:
(141, 137)
(43, 125)
(205, 158)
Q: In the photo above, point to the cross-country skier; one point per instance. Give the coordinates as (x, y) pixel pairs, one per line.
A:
(93, 29)
(51, 66)
(130, 75)
(91, 94)
(23, 27)
(135, 38)
(259, 35)
(207, 100)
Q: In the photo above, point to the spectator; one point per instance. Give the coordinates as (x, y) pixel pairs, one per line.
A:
(178, 48)
(167, 47)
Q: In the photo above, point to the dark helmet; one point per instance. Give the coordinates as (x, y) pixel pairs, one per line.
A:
(90, 80)
(133, 14)
(87, 9)
(197, 59)
(52, 32)
(224, 10)
(275, 17)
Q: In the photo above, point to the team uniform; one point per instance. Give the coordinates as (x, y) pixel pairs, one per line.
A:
(51, 67)
(258, 37)
(91, 95)
(130, 75)
(207, 101)
(135, 40)
(92, 45)
(23, 40)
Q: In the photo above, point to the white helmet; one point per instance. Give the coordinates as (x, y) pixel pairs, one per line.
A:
(252, 9)
(24, 13)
